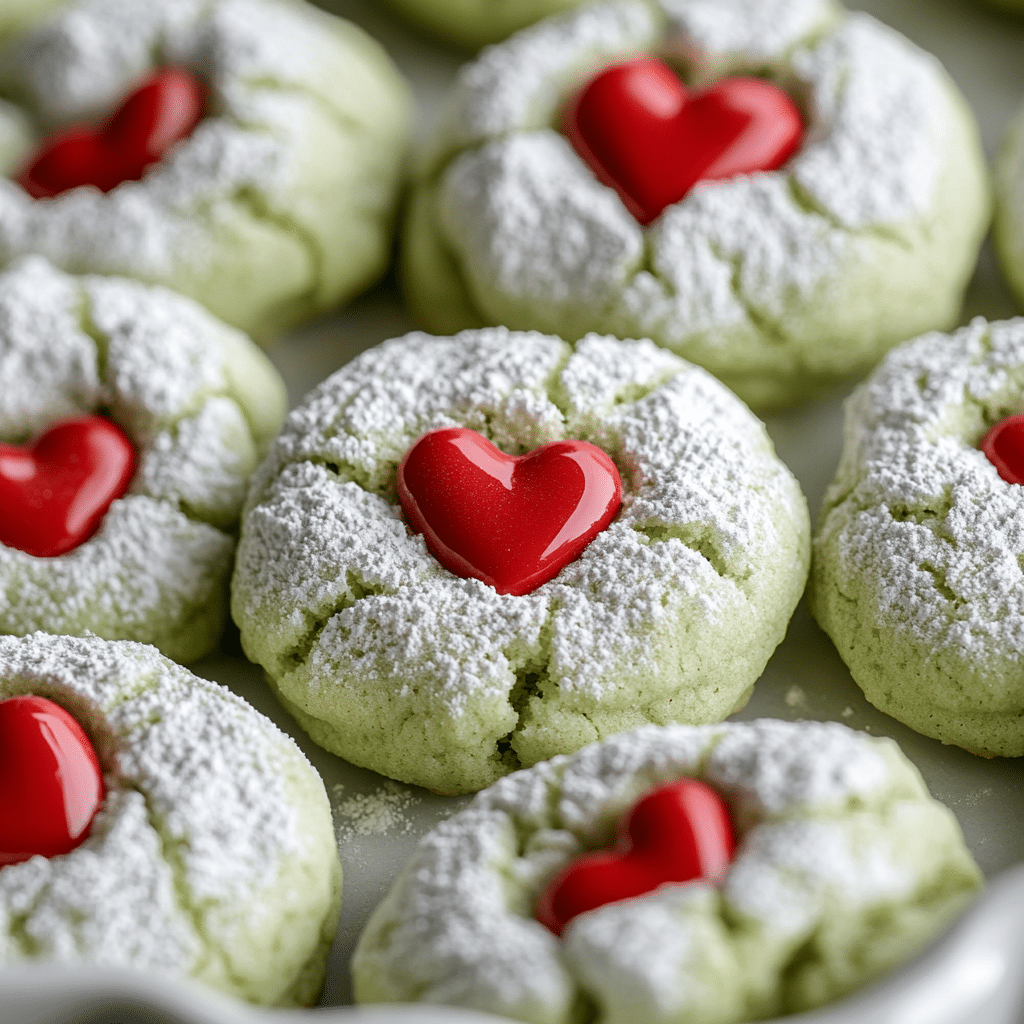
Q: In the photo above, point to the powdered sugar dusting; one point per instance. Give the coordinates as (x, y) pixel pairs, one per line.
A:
(460, 916)
(331, 585)
(361, 421)
(226, 215)
(155, 362)
(540, 243)
(919, 516)
(714, 36)
(516, 85)
(203, 818)
(880, 126)
(383, 812)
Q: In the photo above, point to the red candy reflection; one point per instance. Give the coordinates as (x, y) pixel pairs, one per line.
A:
(163, 110)
(512, 521)
(1004, 446)
(55, 491)
(677, 833)
(642, 133)
(51, 785)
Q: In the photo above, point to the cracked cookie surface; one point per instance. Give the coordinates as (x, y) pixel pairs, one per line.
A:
(280, 203)
(844, 867)
(213, 854)
(389, 660)
(200, 404)
(918, 571)
(781, 282)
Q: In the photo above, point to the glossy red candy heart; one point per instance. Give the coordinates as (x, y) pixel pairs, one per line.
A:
(512, 521)
(163, 110)
(678, 832)
(1004, 446)
(644, 135)
(51, 785)
(55, 491)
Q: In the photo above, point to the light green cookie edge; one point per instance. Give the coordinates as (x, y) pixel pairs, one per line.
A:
(471, 24)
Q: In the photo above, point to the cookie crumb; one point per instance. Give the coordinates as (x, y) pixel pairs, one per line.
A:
(796, 698)
(372, 814)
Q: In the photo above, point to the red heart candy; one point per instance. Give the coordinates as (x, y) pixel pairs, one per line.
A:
(163, 110)
(1004, 446)
(678, 832)
(642, 134)
(55, 491)
(51, 785)
(512, 521)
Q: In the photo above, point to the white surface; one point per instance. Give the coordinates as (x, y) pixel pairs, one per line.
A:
(974, 974)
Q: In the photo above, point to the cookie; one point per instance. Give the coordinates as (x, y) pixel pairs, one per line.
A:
(478, 22)
(277, 204)
(1008, 229)
(130, 421)
(15, 14)
(818, 861)
(199, 840)
(780, 281)
(439, 678)
(917, 566)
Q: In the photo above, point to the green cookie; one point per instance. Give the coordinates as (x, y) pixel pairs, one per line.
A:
(844, 867)
(1008, 231)
(280, 204)
(390, 660)
(212, 855)
(917, 563)
(200, 404)
(473, 23)
(781, 283)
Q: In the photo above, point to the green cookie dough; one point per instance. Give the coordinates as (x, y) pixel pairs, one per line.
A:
(474, 23)
(917, 572)
(781, 283)
(396, 664)
(213, 854)
(844, 868)
(281, 202)
(200, 404)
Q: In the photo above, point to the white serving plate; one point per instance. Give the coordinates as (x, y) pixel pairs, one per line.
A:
(975, 973)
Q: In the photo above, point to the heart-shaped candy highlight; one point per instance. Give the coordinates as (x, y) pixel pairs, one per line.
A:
(161, 111)
(642, 133)
(55, 491)
(1004, 446)
(51, 785)
(512, 521)
(678, 832)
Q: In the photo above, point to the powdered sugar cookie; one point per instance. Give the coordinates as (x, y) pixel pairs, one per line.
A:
(774, 866)
(477, 22)
(451, 677)
(917, 571)
(278, 132)
(576, 184)
(154, 820)
(130, 420)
